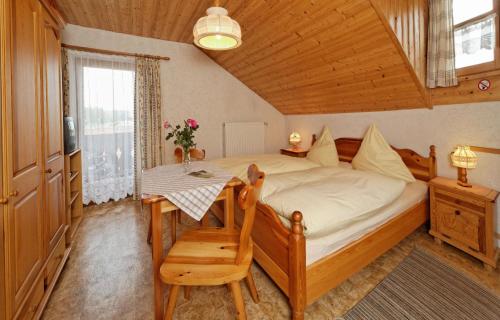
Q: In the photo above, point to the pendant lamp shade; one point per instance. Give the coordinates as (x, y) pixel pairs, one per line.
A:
(217, 31)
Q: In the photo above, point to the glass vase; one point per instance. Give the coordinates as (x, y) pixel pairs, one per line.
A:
(186, 160)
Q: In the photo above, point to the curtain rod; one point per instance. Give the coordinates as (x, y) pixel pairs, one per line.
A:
(110, 52)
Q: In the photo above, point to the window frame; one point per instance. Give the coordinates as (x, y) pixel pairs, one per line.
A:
(486, 66)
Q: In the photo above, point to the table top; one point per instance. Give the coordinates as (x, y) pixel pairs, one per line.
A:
(477, 191)
(193, 190)
(150, 198)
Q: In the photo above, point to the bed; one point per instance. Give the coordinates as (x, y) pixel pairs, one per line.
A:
(306, 268)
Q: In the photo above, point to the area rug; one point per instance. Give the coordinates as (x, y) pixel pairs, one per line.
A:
(423, 287)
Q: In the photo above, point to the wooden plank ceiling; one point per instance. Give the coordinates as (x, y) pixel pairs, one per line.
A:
(315, 56)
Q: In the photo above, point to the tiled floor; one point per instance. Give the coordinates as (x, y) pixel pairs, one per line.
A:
(109, 275)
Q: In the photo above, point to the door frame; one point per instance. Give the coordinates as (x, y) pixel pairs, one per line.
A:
(5, 95)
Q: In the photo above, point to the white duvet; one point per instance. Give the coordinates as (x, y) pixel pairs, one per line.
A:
(268, 163)
(328, 197)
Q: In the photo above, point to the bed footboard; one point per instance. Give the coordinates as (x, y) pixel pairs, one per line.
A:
(297, 267)
(279, 251)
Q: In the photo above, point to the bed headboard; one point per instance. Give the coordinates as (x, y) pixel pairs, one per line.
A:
(422, 168)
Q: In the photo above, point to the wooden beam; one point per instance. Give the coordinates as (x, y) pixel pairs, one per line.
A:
(111, 52)
(54, 12)
(421, 88)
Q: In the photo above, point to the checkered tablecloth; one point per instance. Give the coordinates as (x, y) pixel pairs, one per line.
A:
(193, 195)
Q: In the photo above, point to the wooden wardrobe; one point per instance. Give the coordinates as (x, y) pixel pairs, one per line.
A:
(32, 195)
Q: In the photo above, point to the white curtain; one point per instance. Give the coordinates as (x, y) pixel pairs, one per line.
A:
(101, 101)
(475, 44)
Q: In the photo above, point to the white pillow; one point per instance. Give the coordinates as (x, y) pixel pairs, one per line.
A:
(376, 155)
(323, 151)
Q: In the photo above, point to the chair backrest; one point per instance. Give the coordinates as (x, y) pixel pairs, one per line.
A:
(247, 200)
(196, 154)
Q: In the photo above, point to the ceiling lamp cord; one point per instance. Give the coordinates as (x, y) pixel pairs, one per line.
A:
(216, 30)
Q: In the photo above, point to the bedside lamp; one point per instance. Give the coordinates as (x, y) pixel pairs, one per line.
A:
(295, 140)
(463, 158)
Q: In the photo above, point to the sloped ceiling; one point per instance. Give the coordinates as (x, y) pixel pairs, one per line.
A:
(315, 56)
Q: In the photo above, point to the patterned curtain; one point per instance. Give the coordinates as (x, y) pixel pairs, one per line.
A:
(65, 81)
(148, 117)
(441, 47)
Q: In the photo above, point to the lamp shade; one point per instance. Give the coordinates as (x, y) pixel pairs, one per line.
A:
(217, 31)
(463, 157)
(295, 139)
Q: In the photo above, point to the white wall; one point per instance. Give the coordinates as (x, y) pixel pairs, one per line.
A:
(475, 124)
(193, 86)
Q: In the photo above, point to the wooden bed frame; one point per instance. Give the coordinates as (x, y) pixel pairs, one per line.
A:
(281, 252)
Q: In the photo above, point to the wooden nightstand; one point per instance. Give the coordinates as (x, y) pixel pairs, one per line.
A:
(465, 218)
(297, 152)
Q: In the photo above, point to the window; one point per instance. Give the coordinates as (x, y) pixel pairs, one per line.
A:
(475, 26)
(108, 101)
(107, 121)
(101, 100)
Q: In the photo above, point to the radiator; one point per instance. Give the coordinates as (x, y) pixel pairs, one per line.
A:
(242, 138)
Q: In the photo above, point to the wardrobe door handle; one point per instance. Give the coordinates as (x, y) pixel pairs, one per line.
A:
(4, 200)
(457, 212)
(48, 171)
(14, 193)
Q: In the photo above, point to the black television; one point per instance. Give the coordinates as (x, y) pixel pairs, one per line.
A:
(69, 135)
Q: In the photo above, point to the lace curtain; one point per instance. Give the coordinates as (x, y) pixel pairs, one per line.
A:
(475, 44)
(101, 101)
(440, 50)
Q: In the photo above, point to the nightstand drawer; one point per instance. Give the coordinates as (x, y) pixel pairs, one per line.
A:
(455, 199)
(461, 225)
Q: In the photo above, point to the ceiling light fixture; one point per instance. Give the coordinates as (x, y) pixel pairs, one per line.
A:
(217, 31)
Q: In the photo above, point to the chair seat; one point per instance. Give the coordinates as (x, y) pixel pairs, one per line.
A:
(205, 257)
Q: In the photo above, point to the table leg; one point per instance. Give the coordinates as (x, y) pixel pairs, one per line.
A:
(156, 223)
(229, 208)
(173, 226)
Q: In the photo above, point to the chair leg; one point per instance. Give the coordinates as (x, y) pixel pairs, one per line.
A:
(238, 300)
(173, 227)
(150, 231)
(187, 292)
(172, 299)
(251, 287)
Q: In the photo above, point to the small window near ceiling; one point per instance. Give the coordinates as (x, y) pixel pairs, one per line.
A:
(475, 32)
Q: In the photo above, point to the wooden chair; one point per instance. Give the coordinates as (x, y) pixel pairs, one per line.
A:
(215, 256)
(196, 155)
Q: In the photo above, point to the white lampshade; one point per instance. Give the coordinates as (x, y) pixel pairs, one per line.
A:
(217, 31)
(463, 157)
(295, 139)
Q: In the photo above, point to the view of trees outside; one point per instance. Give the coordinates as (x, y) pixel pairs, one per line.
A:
(108, 101)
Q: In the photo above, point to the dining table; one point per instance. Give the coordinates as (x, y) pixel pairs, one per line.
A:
(160, 205)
